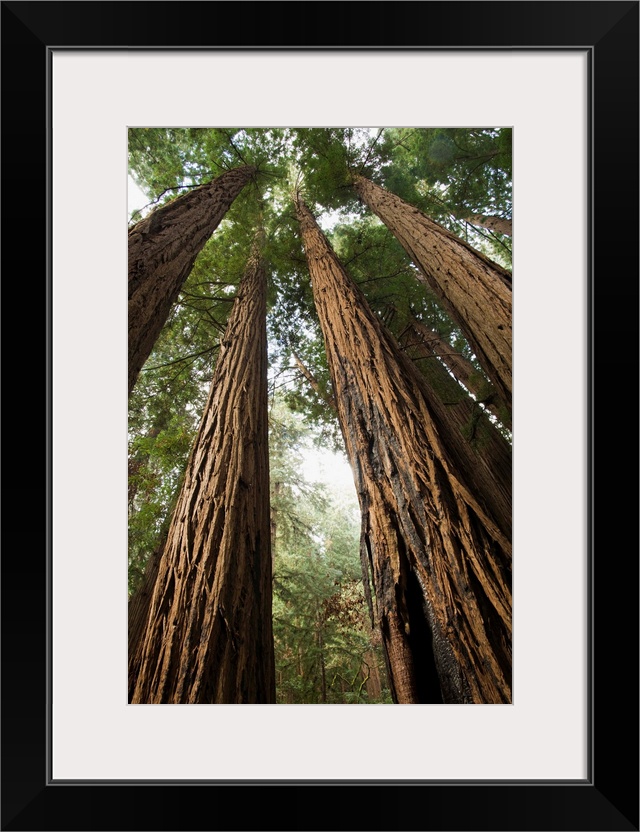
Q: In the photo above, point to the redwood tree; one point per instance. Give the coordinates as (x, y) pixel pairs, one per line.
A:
(439, 560)
(480, 452)
(162, 250)
(500, 224)
(475, 291)
(425, 342)
(138, 611)
(208, 632)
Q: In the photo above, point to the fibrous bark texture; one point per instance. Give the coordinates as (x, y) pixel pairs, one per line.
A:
(423, 342)
(474, 291)
(491, 223)
(139, 605)
(439, 561)
(208, 635)
(480, 453)
(162, 250)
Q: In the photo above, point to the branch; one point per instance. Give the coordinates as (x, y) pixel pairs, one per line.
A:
(159, 197)
(363, 683)
(184, 358)
(489, 236)
(375, 141)
(383, 277)
(330, 400)
(216, 298)
(230, 140)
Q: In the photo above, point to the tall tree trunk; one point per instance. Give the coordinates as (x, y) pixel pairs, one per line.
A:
(162, 250)
(138, 612)
(439, 561)
(491, 223)
(273, 522)
(313, 381)
(423, 342)
(209, 635)
(478, 449)
(474, 291)
(371, 675)
(477, 446)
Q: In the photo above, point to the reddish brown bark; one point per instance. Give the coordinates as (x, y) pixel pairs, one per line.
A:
(162, 250)
(138, 613)
(478, 449)
(208, 636)
(439, 561)
(475, 291)
(424, 342)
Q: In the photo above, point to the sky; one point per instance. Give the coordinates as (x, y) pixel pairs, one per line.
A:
(323, 465)
(135, 198)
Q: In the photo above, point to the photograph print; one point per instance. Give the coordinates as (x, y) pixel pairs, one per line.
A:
(319, 415)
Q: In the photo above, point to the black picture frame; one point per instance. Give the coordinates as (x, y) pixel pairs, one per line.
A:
(608, 798)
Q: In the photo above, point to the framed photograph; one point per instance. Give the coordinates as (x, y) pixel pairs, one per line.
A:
(563, 754)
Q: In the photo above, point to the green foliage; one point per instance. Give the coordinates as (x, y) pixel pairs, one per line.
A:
(322, 631)
(469, 171)
(156, 464)
(453, 174)
(471, 166)
(325, 157)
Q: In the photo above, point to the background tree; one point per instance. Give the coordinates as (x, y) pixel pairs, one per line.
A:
(460, 177)
(427, 343)
(475, 291)
(326, 649)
